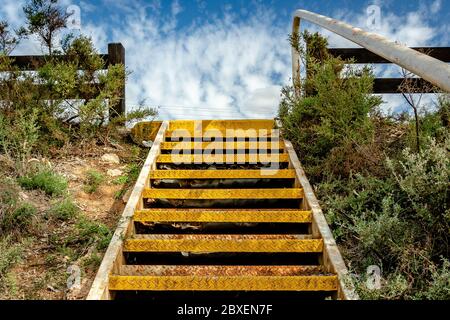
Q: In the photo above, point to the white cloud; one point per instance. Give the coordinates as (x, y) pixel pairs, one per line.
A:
(208, 71)
(435, 6)
(225, 67)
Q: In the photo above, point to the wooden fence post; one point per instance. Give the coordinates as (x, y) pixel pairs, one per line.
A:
(116, 55)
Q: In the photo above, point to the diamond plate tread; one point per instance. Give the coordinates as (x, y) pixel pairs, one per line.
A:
(234, 237)
(205, 125)
(218, 145)
(223, 134)
(230, 215)
(196, 245)
(294, 193)
(223, 158)
(223, 283)
(223, 174)
(221, 270)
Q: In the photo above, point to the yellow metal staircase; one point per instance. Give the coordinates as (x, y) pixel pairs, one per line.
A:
(221, 206)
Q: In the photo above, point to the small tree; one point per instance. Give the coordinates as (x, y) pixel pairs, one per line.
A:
(45, 19)
(413, 94)
(65, 101)
(8, 40)
(328, 122)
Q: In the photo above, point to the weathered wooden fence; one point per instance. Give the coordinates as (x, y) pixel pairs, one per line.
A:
(389, 85)
(115, 55)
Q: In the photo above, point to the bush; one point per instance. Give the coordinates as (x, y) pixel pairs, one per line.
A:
(45, 180)
(22, 216)
(93, 180)
(10, 254)
(89, 232)
(399, 222)
(63, 210)
(18, 137)
(14, 214)
(330, 121)
(439, 286)
(35, 118)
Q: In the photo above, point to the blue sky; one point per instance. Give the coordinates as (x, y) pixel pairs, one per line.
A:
(228, 59)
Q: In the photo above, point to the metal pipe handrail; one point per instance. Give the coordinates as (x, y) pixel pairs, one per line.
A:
(430, 69)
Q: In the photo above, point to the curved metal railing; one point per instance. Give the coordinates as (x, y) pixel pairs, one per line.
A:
(430, 69)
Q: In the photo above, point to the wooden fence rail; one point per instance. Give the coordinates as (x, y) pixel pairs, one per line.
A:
(115, 55)
(389, 85)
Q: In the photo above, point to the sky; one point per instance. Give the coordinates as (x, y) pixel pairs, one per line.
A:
(211, 59)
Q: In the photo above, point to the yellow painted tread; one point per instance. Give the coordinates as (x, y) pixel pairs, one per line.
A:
(230, 244)
(222, 270)
(222, 158)
(205, 125)
(224, 283)
(224, 215)
(219, 145)
(293, 193)
(260, 134)
(223, 174)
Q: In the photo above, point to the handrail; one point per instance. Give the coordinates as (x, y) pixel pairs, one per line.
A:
(431, 69)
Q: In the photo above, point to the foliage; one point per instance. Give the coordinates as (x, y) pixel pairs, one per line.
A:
(10, 254)
(46, 180)
(19, 137)
(45, 18)
(15, 215)
(90, 232)
(93, 180)
(74, 98)
(332, 115)
(63, 210)
(386, 202)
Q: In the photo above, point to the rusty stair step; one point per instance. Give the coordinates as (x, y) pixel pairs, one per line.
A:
(223, 174)
(223, 278)
(229, 215)
(200, 243)
(201, 194)
(223, 159)
(228, 145)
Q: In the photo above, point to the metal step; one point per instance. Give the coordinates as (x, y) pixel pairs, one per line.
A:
(228, 145)
(223, 278)
(223, 158)
(201, 194)
(223, 174)
(207, 221)
(214, 126)
(203, 243)
(211, 215)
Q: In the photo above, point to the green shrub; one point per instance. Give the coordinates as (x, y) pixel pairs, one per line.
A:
(19, 137)
(386, 205)
(32, 118)
(121, 180)
(14, 214)
(439, 286)
(90, 232)
(45, 180)
(93, 180)
(22, 216)
(394, 287)
(399, 222)
(63, 210)
(332, 115)
(10, 254)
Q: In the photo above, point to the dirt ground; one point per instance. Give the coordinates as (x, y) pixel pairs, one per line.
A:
(42, 272)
